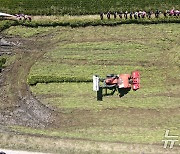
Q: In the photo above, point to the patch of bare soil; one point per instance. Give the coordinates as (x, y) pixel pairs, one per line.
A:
(18, 106)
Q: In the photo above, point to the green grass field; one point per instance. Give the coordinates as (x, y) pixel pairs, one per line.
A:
(138, 117)
(81, 46)
(56, 7)
(119, 52)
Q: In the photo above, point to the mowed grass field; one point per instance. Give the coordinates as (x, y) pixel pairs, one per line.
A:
(79, 7)
(79, 53)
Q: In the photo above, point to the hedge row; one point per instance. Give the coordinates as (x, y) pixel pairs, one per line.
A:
(83, 23)
(79, 7)
(98, 22)
(5, 24)
(33, 80)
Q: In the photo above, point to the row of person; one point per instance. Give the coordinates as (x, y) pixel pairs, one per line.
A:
(23, 17)
(140, 14)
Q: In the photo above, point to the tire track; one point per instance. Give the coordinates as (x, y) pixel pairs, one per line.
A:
(21, 107)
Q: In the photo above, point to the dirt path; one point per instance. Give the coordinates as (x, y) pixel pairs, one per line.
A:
(19, 107)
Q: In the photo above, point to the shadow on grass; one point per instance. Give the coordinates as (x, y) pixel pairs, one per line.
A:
(122, 91)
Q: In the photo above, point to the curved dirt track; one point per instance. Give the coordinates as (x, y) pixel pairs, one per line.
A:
(18, 105)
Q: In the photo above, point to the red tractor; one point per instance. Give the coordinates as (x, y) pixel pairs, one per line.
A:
(122, 82)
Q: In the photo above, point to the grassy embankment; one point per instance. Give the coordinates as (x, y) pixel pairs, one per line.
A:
(138, 117)
(79, 7)
(82, 21)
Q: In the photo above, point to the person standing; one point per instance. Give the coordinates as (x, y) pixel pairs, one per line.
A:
(101, 16)
(165, 13)
(135, 15)
(115, 15)
(108, 15)
(120, 14)
(157, 12)
(143, 14)
(131, 15)
(149, 14)
(139, 14)
(125, 14)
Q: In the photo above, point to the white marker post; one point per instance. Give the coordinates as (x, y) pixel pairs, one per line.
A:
(97, 88)
(95, 83)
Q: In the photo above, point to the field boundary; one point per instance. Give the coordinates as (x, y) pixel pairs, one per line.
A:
(86, 22)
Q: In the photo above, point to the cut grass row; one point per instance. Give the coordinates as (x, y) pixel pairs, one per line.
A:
(79, 7)
(109, 134)
(83, 22)
(98, 22)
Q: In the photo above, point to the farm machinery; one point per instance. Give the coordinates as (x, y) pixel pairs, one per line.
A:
(122, 83)
(5, 16)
